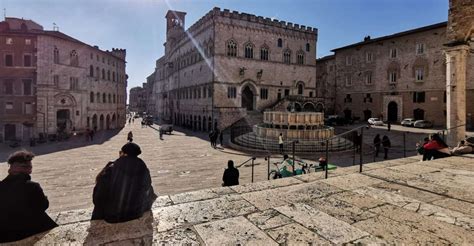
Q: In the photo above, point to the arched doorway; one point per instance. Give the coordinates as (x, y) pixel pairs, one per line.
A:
(319, 107)
(247, 98)
(9, 132)
(419, 114)
(309, 107)
(367, 114)
(63, 122)
(107, 122)
(392, 110)
(199, 123)
(204, 123)
(348, 114)
(209, 124)
(114, 121)
(94, 122)
(101, 122)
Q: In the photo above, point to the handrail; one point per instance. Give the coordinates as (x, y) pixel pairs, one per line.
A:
(243, 163)
(447, 129)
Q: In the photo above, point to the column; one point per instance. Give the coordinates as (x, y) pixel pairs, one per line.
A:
(456, 64)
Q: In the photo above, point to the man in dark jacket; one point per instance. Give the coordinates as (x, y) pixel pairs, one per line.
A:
(22, 202)
(231, 175)
(123, 188)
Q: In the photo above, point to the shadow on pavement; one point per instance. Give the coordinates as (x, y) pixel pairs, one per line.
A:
(51, 147)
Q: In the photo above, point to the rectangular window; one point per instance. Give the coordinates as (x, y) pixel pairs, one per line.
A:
(8, 84)
(287, 92)
(348, 60)
(348, 98)
(263, 93)
(27, 41)
(27, 87)
(231, 92)
(27, 60)
(28, 109)
(368, 57)
(420, 49)
(209, 91)
(9, 60)
(310, 94)
(56, 80)
(9, 41)
(419, 97)
(348, 80)
(368, 78)
(393, 77)
(419, 74)
(204, 90)
(9, 105)
(393, 53)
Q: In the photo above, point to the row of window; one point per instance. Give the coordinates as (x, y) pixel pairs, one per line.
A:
(106, 98)
(9, 60)
(26, 109)
(418, 97)
(105, 75)
(393, 54)
(194, 92)
(8, 87)
(393, 76)
(264, 53)
(9, 41)
(232, 92)
(74, 58)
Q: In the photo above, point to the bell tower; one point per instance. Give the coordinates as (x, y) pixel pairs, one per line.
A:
(174, 27)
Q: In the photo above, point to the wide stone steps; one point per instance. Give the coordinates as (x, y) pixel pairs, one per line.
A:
(402, 201)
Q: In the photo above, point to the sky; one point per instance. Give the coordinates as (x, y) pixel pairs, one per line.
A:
(139, 26)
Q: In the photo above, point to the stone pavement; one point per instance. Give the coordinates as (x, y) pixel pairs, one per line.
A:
(401, 201)
(183, 161)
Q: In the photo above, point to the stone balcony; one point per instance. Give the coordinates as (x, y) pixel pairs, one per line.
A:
(402, 201)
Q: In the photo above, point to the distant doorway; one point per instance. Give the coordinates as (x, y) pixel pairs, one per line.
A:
(62, 119)
(247, 99)
(10, 132)
(419, 114)
(392, 112)
(348, 114)
(367, 114)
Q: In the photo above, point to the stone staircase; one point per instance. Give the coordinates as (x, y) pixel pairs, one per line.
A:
(252, 118)
(401, 201)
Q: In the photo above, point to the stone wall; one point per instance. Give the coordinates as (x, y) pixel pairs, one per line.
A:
(461, 20)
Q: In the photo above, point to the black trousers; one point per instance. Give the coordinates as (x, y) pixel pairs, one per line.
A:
(281, 148)
(433, 154)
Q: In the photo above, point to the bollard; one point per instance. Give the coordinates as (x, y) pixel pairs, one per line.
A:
(294, 163)
(253, 159)
(327, 159)
(268, 168)
(361, 147)
(404, 145)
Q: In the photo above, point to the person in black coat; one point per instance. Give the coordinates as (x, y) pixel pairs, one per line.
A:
(386, 145)
(22, 202)
(123, 188)
(231, 175)
(377, 143)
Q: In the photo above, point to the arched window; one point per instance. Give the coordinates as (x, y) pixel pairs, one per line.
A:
(300, 88)
(103, 73)
(113, 98)
(91, 71)
(231, 48)
(74, 59)
(110, 98)
(300, 57)
(308, 47)
(108, 75)
(97, 72)
(287, 56)
(248, 50)
(113, 76)
(98, 97)
(92, 97)
(264, 53)
(280, 42)
(104, 98)
(56, 55)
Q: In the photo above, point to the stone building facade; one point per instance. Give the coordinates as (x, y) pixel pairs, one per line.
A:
(78, 86)
(137, 101)
(229, 64)
(17, 79)
(394, 77)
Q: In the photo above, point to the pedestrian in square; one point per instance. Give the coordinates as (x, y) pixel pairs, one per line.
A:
(280, 142)
(23, 204)
(386, 145)
(389, 125)
(377, 143)
(130, 136)
(221, 139)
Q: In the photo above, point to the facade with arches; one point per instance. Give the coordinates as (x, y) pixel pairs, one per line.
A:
(394, 77)
(79, 86)
(234, 64)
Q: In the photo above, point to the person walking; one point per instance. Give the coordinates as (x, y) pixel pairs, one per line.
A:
(221, 139)
(123, 188)
(130, 136)
(377, 143)
(211, 138)
(389, 125)
(231, 175)
(91, 134)
(386, 145)
(280, 142)
(129, 121)
(23, 204)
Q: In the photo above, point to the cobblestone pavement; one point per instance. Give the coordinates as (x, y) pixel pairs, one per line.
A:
(183, 161)
(395, 202)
